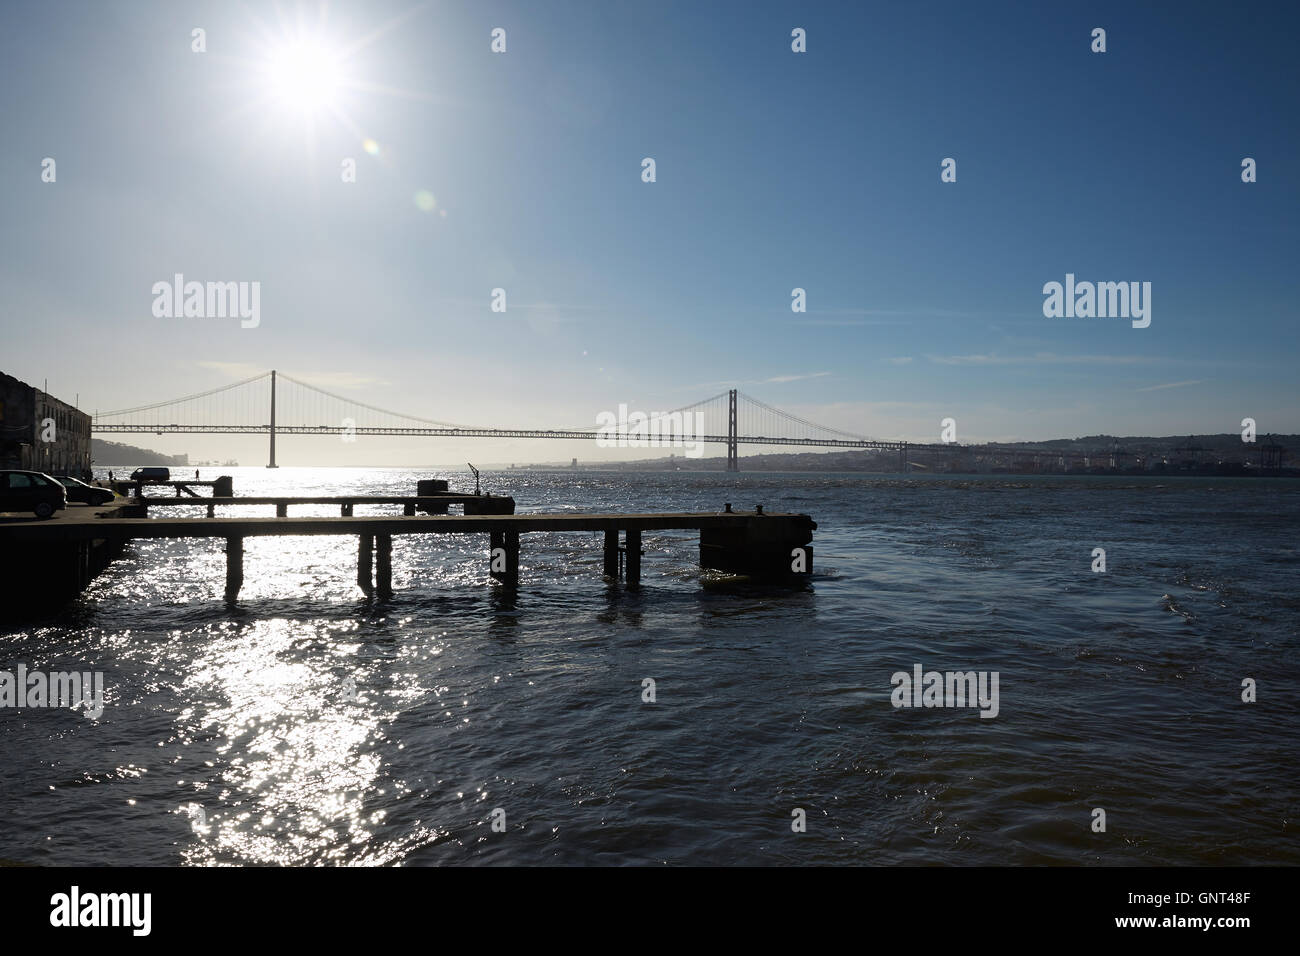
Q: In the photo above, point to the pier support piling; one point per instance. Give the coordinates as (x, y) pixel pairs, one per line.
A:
(234, 568)
(633, 555)
(503, 556)
(365, 556)
(611, 554)
(384, 566)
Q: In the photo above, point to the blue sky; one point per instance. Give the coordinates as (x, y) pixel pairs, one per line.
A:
(775, 170)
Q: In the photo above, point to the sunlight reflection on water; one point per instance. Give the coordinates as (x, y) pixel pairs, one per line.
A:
(308, 725)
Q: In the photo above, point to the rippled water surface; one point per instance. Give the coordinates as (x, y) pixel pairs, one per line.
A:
(310, 726)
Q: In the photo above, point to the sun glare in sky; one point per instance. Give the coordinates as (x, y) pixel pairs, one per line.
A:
(305, 76)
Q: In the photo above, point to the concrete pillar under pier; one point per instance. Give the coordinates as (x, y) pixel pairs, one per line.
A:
(384, 565)
(611, 554)
(503, 556)
(234, 568)
(365, 555)
(633, 555)
(512, 557)
(766, 546)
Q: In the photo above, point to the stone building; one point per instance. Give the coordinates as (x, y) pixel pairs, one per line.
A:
(40, 433)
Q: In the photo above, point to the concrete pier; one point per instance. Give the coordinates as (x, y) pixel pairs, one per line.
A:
(766, 546)
(428, 504)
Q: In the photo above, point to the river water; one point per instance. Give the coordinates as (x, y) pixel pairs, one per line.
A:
(310, 726)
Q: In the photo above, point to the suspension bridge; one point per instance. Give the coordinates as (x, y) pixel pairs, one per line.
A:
(274, 404)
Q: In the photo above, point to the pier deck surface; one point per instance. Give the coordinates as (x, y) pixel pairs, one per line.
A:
(83, 523)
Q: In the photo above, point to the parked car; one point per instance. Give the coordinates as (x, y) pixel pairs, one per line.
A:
(31, 491)
(151, 474)
(87, 494)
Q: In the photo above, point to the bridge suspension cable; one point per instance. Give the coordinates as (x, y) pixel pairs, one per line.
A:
(298, 407)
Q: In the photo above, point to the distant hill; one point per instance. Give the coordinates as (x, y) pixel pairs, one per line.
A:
(111, 453)
(1161, 455)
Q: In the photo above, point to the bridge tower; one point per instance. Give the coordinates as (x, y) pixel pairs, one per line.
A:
(272, 463)
(733, 459)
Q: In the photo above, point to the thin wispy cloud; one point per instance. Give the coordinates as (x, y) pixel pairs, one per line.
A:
(774, 380)
(1156, 388)
(782, 379)
(1039, 358)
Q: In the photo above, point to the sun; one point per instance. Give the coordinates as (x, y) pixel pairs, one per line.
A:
(305, 76)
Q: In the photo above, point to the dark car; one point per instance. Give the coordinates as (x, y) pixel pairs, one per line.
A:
(80, 491)
(151, 474)
(31, 491)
